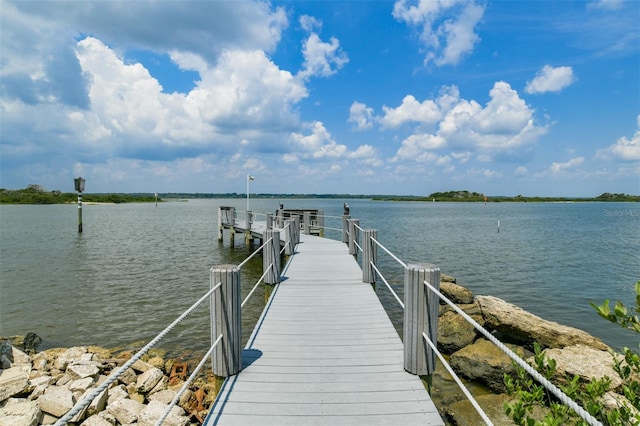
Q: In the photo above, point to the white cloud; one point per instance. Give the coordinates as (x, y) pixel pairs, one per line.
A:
(361, 115)
(320, 58)
(557, 168)
(624, 149)
(309, 23)
(606, 4)
(550, 79)
(521, 171)
(447, 27)
(410, 110)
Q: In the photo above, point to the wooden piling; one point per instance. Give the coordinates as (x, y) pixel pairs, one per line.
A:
(306, 223)
(321, 222)
(247, 229)
(226, 319)
(271, 256)
(353, 236)
(420, 316)
(369, 255)
(289, 237)
(345, 228)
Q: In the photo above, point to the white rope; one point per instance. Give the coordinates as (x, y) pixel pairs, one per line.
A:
(80, 405)
(256, 286)
(464, 389)
(253, 254)
(186, 384)
(388, 286)
(404, 265)
(541, 379)
(358, 246)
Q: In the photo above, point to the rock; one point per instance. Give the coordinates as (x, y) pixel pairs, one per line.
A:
(13, 381)
(141, 366)
(117, 392)
(69, 355)
(82, 370)
(483, 361)
(20, 358)
(454, 332)
(523, 327)
(156, 361)
(152, 413)
(164, 396)
(31, 342)
(81, 384)
(6, 354)
(56, 401)
(147, 380)
(456, 293)
(464, 414)
(446, 278)
(129, 376)
(19, 412)
(96, 420)
(586, 362)
(99, 402)
(125, 410)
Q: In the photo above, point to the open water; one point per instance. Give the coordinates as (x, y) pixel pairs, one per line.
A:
(137, 267)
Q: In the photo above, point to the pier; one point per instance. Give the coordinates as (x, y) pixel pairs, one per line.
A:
(324, 352)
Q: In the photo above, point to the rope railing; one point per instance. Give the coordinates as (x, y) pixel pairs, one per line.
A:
(188, 382)
(246, 299)
(539, 378)
(83, 403)
(253, 254)
(400, 302)
(404, 265)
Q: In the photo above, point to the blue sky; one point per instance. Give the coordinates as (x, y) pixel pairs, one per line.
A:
(362, 97)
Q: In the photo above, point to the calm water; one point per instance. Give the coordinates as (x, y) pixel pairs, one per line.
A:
(137, 267)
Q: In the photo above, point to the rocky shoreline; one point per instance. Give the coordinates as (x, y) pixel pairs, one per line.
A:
(39, 388)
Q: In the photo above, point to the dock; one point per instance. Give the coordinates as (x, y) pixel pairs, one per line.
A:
(323, 352)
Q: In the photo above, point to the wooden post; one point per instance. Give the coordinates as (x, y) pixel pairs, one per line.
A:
(420, 316)
(269, 220)
(307, 223)
(232, 228)
(289, 238)
(369, 255)
(271, 257)
(226, 319)
(321, 222)
(220, 227)
(280, 217)
(345, 228)
(353, 236)
(296, 228)
(247, 229)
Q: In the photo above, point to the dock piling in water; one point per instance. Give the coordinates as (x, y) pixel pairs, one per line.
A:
(226, 319)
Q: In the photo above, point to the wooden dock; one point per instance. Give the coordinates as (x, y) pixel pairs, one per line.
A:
(324, 352)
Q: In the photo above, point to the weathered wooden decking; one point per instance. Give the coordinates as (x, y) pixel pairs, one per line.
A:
(324, 352)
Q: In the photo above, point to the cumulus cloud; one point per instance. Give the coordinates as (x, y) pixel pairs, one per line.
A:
(504, 124)
(550, 79)
(447, 28)
(557, 168)
(320, 58)
(624, 149)
(361, 115)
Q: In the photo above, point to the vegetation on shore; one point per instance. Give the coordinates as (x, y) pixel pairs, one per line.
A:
(36, 194)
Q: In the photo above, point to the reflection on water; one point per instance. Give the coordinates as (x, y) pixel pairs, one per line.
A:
(137, 267)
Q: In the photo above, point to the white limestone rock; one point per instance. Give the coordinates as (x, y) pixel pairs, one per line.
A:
(164, 396)
(129, 376)
(586, 362)
(72, 354)
(82, 370)
(56, 401)
(147, 380)
(96, 420)
(13, 381)
(19, 412)
(152, 413)
(125, 410)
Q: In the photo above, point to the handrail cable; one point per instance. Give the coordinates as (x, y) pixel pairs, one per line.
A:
(404, 265)
(332, 229)
(388, 286)
(282, 250)
(253, 254)
(541, 379)
(462, 387)
(358, 227)
(358, 246)
(255, 286)
(186, 384)
(80, 405)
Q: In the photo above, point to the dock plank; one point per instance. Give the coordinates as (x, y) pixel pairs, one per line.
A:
(324, 352)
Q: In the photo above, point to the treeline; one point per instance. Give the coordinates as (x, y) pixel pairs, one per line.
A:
(35, 194)
(467, 196)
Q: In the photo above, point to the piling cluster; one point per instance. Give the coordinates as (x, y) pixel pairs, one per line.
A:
(41, 388)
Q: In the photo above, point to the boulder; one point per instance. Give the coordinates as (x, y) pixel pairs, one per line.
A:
(147, 380)
(152, 413)
(56, 401)
(164, 396)
(447, 278)
(525, 328)
(462, 413)
(454, 332)
(13, 381)
(72, 354)
(82, 370)
(125, 410)
(19, 412)
(455, 293)
(485, 362)
(586, 362)
(6, 354)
